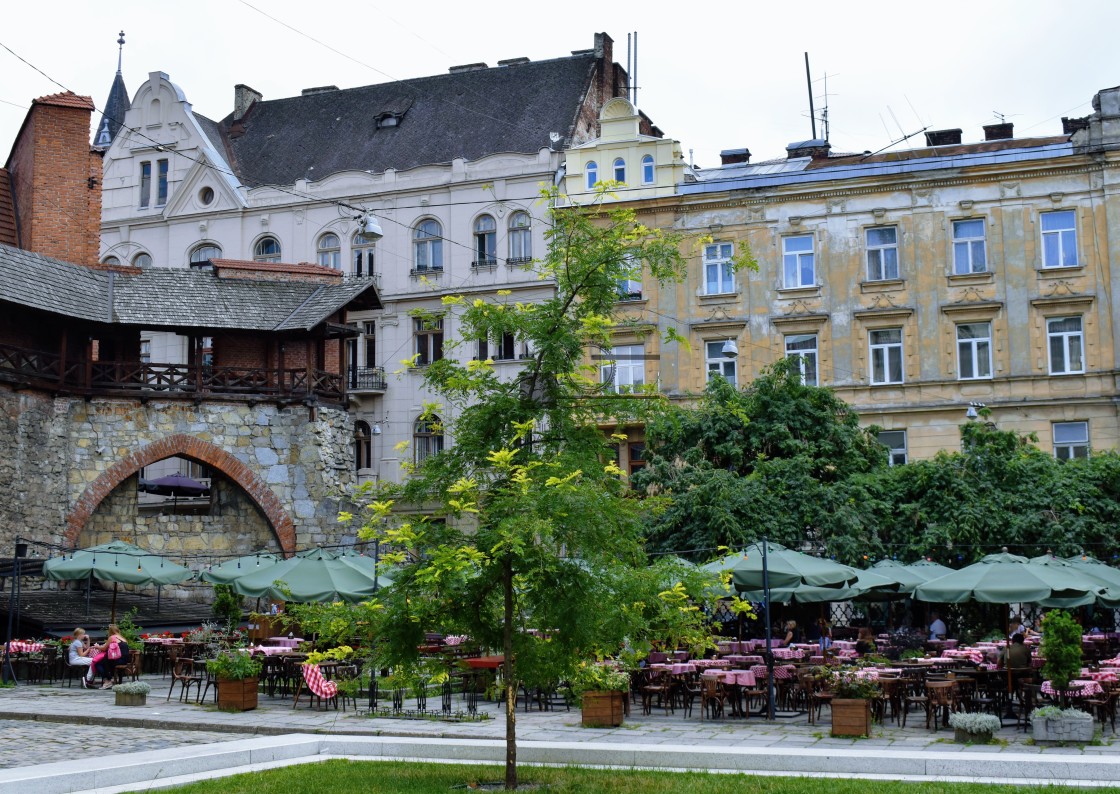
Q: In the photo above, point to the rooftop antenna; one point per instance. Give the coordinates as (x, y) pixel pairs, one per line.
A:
(634, 101)
(629, 69)
(824, 113)
(809, 85)
(120, 51)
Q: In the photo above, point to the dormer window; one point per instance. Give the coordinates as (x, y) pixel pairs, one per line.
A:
(387, 121)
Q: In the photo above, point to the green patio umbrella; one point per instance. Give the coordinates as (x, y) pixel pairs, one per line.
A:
(310, 576)
(229, 570)
(868, 586)
(1097, 573)
(929, 569)
(119, 563)
(369, 566)
(908, 578)
(1098, 569)
(786, 568)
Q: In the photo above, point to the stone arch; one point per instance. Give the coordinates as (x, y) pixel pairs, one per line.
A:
(197, 450)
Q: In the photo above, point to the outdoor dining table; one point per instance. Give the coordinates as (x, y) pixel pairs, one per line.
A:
(787, 653)
(738, 658)
(735, 677)
(781, 671)
(1078, 688)
(676, 668)
(1108, 676)
(269, 650)
(286, 642)
(711, 663)
(20, 646)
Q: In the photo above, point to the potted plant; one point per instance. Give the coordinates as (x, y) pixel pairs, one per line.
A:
(1054, 724)
(602, 690)
(237, 673)
(852, 693)
(1061, 648)
(133, 693)
(974, 728)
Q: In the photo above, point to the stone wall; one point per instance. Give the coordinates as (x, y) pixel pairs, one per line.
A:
(68, 466)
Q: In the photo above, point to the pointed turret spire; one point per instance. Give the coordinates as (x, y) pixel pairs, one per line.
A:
(116, 105)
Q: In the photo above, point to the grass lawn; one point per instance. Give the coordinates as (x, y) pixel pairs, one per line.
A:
(370, 777)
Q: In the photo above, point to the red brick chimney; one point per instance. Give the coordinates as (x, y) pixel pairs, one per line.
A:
(56, 180)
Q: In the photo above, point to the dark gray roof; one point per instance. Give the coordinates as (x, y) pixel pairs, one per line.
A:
(213, 131)
(170, 297)
(468, 114)
(112, 117)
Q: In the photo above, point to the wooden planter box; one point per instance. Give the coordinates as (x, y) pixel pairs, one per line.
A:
(851, 717)
(603, 709)
(130, 699)
(237, 695)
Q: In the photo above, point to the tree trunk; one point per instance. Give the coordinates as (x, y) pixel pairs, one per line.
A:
(510, 683)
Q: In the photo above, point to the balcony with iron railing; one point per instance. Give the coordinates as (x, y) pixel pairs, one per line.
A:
(365, 380)
(25, 368)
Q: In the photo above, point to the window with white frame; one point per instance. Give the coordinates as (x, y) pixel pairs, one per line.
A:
(1066, 343)
(111, 260)
(204, 253)
(717, 363)
(1071, 440)
(267, 249)
(142, 260)
(886, 355)
(798, 265)
(363, 445)
(592, 171)
(501, 349)
(427, 438)
(520, 239)
(625, 369)
(329, 250)
(1059, 239)
(619, 170)
(647, 169)
(362, 254)
(969, 247)
(145, 351)
(882, 253)
(161, 182)
(895, 442)
(719, 275)
(974, 351)
(803, 349)
(630, 287)
(429, 340)
(427, 246)
(485, 241)
(145, 183)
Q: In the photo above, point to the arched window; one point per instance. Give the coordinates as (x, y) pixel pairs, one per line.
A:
(647, 170)
(592, 170)
(619, 170)
(363, 446)
(485, 242)
(330, 251)
(427, 246)
(520, 239)
(267, 249)
(363, 248)
(204, 253)
(142, 260)
(110, 260)
(427, 438)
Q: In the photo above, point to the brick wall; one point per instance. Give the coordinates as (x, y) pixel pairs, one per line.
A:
(52, 166)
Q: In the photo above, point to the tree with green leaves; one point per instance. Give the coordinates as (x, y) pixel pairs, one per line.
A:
(523, 533)
(778, 458)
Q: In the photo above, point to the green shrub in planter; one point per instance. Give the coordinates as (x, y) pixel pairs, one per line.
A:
(235, 665)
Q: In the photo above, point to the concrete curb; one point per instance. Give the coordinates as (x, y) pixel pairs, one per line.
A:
(216, 760)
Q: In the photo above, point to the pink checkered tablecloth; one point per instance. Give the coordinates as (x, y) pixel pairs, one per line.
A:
(676, 668)
(787, 653)
(286, 642)
(971, 654)
(1099, 675)
(780, 671)
(844, 645)
(19, 646)
(739, 677)
(1087, 688)
(704, 664)
(744, 659)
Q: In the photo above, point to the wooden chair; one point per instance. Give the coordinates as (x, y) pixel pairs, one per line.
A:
(131, 668)
(942, 697)
(1103, 706)
(713, 697)
(661, 687)
(915, 697)
(185, 676)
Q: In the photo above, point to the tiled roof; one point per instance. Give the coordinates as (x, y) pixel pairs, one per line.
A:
(468, 114)
(172, 297)
(979, 147)
(9, 232)
(112, 117)
(275, 267)
(67, 99)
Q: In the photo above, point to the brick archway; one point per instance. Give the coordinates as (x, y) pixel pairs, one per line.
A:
(195, 449)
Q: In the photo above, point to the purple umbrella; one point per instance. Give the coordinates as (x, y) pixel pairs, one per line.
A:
(174, 485)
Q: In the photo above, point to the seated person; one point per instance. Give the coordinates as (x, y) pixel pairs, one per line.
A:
(937, 628)
(1017, 655)
(865, 642)
(78, 654)
(1019, 627)
(793, 632)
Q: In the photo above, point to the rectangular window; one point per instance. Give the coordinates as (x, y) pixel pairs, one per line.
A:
(969, 252)
(637, 455)
(429, 341)
(502, 350)
(719, 277)
(1066, 344)
(145, 351)
(798, 264)
(974, 351)
(803, 348)
(718, 363)
(1059, 239)
(895, 442)
(625, 370)
(161, 184)
(882, 253)
(1071, 440)
(886, 356)
(145, 183)
(371, 344)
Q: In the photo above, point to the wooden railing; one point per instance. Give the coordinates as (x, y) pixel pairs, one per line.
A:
(39, 369)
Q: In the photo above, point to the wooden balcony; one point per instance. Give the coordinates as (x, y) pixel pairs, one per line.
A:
(37, 369)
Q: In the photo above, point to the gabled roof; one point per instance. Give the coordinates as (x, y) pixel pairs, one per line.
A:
(174, 297)
(468, 114)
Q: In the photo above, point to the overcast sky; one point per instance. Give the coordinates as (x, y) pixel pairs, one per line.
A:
(714, 75)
